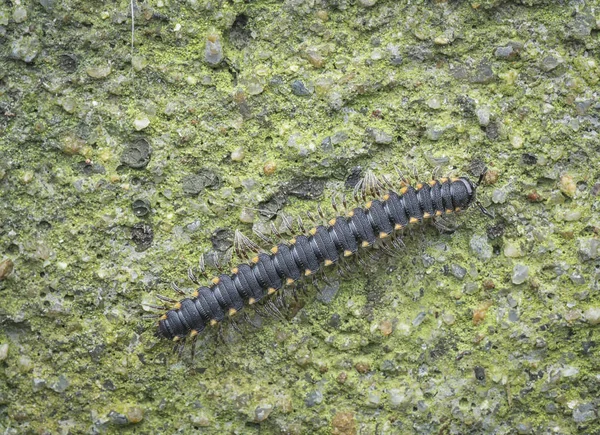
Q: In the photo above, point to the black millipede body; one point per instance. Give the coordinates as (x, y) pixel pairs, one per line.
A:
(305, 255)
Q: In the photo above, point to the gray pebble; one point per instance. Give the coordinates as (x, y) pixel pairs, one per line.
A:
(434, 132)
(480, 247)
(117, 418)
(61, 385)
(298, 88)
(520, 274)
(327, 293)
(313, 398)
(140, 207)
(549, 63)
(483, 74)
(419, 319)
(137, 154)
(213, 51)
(458, 271)
(588, 249)
(379, 136)
(25, 48)
(483, 115)
(195, 183)
(584, 412)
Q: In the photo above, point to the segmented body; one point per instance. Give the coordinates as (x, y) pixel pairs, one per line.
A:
(305, 255)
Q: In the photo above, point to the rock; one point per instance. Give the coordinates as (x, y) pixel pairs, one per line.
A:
(3, 351)
(137, 154)
(520, 274)
(213, 51)
(483, 115)
(299, 89)
(480, 247)
(195, 183)
(25, 48)
(588, 249)
(592, 315)
(379, 136)
(584, 413)
(313, 398)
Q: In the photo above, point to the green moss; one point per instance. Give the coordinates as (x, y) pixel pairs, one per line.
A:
(72, 304)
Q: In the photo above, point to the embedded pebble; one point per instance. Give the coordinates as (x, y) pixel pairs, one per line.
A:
(141, 207)
(512, 250)
(25, 48)
(499, 196)
(584, 412)
(193, 184)
(520, 274)
(247, 215)
(61, 385)
(483, 115)
(419, 318)
(327, 293)
(19, 14)
(137, 155)
(3, 351)
(117, 418)
(135, 414)
(592, 315)
(299, 89)
(434, 132)
(588, 249)
(213, 52)
(99, 72)
(458, 271)
(6, 268)
(567, 185)
(141, 123)
(480, 247)
(238, 155)
(313, 398)
(549, 63)
(379, 136)
(262, 412)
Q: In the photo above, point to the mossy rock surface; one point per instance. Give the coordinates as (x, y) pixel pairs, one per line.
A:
(117, 126)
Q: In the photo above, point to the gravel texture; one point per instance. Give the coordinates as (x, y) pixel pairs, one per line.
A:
(123, 160)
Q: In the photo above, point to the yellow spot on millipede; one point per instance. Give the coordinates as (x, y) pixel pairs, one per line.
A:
(419, 186)
(289, 281)
(413, 220)
(177, 305)
(347, 253)
(307, 272)
(292, 241)
(274, 250)
(364, 244)
(313, 231)
(251, 301)
(383, 235)
(386, 197)
(232, 312)
(433, 183)
(271, 290)
(369, 204)
(403, 190)
(235, 270)
(350, 213)
(163, 317)
(193, 333)
(332, 222)
(457, 209)
(438, 213)
(196, 294)
(255, 259)
(328, 262)
(448, 211)
(215, 280)
(213, 322)
(426, 215)
(398, 227)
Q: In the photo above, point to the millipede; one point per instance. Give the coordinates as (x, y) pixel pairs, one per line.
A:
(322, 246)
